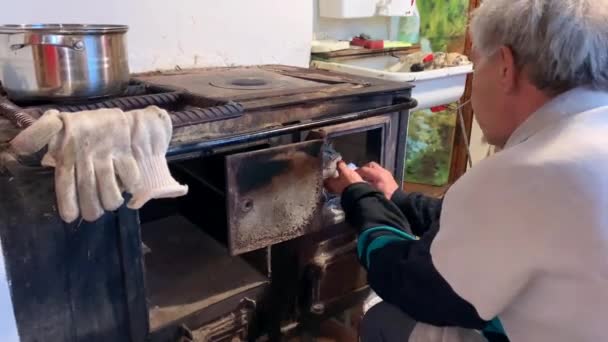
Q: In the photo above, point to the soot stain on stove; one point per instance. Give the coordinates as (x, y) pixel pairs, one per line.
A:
(279, 195)
(259, 172)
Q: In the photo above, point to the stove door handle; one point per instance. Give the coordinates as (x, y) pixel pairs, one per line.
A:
(186, 151)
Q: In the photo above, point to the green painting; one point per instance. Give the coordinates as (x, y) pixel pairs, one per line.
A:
(429, 145)
(443, 25)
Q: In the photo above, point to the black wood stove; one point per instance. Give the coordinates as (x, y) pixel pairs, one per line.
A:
(247, 254)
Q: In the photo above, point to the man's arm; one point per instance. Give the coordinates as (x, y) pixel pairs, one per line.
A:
(401, 269)
(421, 211)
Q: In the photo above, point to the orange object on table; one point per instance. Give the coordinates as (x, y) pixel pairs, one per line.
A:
(367, 43)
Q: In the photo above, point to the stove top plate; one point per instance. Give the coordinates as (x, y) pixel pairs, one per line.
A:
(229, 82)
(246, 83)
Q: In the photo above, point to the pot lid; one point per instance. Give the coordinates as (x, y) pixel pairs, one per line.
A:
(64, 28)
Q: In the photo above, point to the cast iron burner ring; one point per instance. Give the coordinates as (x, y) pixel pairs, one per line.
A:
(249, 82)
(245, 83)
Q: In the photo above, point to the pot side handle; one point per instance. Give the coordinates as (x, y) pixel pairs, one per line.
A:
(18, 41)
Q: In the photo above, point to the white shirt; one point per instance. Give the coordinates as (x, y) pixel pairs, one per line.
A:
(524, 234)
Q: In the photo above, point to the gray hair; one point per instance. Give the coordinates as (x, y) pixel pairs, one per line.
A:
(562, 44)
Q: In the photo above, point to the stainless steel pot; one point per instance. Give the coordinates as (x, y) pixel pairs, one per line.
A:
(59, 62)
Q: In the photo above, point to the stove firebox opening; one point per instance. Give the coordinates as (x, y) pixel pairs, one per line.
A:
(360, 148)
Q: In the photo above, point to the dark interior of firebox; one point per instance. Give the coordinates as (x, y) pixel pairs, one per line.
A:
(359, 148)
(186, 239)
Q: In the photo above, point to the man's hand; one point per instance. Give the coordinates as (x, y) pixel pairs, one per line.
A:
(379, 178)
(346, 177)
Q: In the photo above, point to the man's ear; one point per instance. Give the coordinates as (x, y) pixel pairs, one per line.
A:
(508, 70)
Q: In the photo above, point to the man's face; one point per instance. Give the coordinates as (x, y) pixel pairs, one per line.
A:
(489, 99)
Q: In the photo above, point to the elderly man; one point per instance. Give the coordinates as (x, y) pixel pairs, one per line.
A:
(523, 236)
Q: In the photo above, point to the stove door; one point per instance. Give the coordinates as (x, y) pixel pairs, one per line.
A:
(274, 195)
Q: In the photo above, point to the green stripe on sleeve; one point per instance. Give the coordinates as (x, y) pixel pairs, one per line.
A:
(378, 243)
(362, 242)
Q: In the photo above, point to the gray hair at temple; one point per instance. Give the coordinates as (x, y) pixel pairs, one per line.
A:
(562, 44)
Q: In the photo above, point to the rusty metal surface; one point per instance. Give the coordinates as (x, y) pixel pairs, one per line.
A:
(185, 109)
(282, 85)
(217, 83)
(341, 275)
(276, 117)
(230, 328)
(182, 151)
(124, 103)
(181, 271)
(8, 131)
(333, 267)
(191, 116)
(274, 195)
(297, 94)
(16, 115)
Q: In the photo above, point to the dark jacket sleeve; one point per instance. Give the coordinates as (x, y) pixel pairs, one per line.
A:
(420, 210)
(400, 267)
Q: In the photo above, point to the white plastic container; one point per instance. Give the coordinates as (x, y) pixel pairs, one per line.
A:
(432, 88)
(409, 28)
(395, 8)
(347, 8)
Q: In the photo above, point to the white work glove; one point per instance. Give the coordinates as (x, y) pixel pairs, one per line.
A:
(151, 131)
(331, 158)
(88, 150)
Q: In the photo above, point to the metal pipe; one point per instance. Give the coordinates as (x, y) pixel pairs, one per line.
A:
(408, 103)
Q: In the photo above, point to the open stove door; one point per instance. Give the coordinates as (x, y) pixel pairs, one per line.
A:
(274, 195)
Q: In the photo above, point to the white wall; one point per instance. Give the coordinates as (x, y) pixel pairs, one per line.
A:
(188, 33)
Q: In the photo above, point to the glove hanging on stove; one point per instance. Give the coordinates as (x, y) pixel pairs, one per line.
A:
(91, 152)
(97, 154)
(151, 131)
